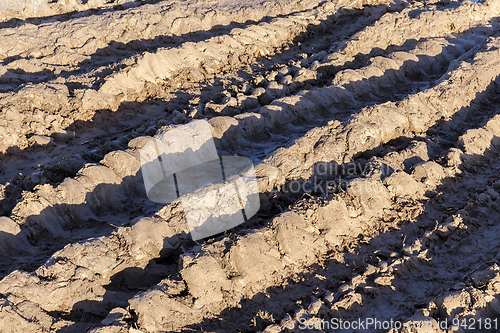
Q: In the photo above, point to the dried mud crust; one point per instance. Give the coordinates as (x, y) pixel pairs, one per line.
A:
(106, 87)
(380, 240)
(30, 130)
(38, 211)
(415, 197)
(68, 95)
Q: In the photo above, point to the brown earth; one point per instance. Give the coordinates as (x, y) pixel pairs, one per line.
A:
(374, 129)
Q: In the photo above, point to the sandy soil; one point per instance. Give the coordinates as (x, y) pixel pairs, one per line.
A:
(373, 125)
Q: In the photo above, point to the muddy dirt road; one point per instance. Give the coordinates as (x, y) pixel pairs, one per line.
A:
(374, 128)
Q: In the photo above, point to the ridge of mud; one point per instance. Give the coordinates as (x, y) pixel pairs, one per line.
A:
(38, 211)
(382, 221)
(114, 91)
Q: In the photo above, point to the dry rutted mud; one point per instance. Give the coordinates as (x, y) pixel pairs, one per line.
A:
(374, 128)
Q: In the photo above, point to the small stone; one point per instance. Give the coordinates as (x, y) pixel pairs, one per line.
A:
(41, 140)
(314, 307)
(259, 91)
(248, 102)
(245, 88)
(428, 172)
(329, 296)
(318, 56)
(116, 317)
(284, 71)
(258, 81)
(267, 97)
(277, 90)
(314, 66)
(287, 80)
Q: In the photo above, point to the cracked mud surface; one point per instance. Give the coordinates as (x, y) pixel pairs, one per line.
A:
(374, 128)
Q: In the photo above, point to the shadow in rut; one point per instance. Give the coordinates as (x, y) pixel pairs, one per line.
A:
(94, 212)
(336, 272)
(127, 114)
(302, 288)
(15, 22)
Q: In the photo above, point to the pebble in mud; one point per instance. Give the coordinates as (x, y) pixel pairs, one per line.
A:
(287, 80)
(258, 91)
(276, 89)
(245, 88)
(314, 66)
(258, 81)
(264, 95)
(428, 172)
(248, 102)
(284, 71)
(315, 306)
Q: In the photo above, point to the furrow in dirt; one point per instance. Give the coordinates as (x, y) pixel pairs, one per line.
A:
(45, 11)
(58, 99)
(40, 217)
(439, 269)
(153, 70)
(110, 263)
(281, 237)
(71, 52)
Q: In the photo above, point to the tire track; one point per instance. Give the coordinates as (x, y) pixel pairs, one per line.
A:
(78, 253)
(35, 220)
(78, 285)
(11, 132)
(416, 272)
(57, 99)
(67, 151)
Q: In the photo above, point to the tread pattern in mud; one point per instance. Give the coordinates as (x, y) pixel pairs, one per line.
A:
(379, 125)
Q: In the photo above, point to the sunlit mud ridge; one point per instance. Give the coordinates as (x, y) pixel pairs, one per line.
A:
(106, 86)
(376, 146)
